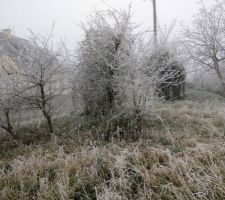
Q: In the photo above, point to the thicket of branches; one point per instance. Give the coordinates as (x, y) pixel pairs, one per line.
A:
(120, 73)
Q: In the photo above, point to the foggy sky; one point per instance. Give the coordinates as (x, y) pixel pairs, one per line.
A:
(38, 15)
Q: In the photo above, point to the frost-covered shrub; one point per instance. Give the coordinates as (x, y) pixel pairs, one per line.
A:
(169, 73)
(118, 71)
(102, 58)
(110, 79)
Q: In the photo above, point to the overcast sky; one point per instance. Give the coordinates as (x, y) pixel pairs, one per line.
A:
(38, 15)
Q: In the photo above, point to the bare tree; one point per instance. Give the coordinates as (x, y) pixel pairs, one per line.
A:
(43, 79)
(206, 40)
(9, 103)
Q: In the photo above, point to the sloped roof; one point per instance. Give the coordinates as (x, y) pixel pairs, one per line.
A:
(10, 49)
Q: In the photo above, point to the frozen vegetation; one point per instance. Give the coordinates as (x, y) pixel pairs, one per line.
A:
(120, 118)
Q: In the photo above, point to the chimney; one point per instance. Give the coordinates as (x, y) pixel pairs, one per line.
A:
(7, 32)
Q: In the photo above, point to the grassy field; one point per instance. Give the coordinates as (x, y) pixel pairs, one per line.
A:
(180, 155)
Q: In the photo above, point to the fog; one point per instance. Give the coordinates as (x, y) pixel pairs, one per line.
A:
(38, 15)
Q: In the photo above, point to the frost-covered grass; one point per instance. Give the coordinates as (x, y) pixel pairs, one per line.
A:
(202, 95)
(181, 155)
(117, 171)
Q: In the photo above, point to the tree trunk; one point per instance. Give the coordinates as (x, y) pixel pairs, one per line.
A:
(8, 127)
(49, 120)
(44, 111)
(222, 81)
(50, 125)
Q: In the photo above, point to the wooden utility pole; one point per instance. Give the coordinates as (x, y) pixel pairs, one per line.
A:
(155, 22)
